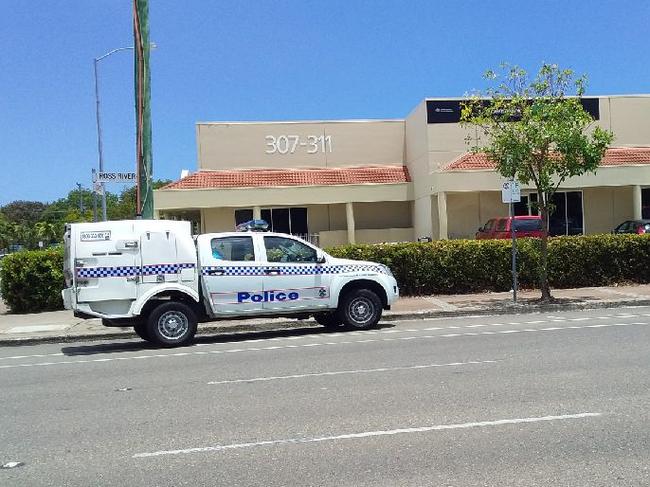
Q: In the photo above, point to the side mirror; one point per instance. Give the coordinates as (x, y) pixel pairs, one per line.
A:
(320, 258)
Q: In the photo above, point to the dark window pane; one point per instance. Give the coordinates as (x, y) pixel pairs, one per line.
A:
(279, 249)
(280, 218)
(266, 216)
(242, 216)
(645, 203)
(532, 201)
(233, 248)
(501, 225)
(521, 208)
(574, 212)
(557, 219)
(299, 221)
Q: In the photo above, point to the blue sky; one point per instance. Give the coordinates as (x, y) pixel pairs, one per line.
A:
(272, 60)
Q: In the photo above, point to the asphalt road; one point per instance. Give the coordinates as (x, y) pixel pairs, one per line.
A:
(517, 400)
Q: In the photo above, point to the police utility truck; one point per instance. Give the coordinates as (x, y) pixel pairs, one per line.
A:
(155, 276)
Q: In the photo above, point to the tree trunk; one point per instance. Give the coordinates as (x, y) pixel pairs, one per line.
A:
(544, 286)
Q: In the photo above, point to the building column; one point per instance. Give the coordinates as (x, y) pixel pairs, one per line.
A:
(636, 202)
(442, 215)
(257, 213)
(349, 217)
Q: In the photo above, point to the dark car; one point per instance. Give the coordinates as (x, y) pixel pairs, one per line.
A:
(500, 228)
(639, 227)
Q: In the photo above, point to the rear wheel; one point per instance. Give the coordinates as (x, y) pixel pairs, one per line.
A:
(360, 309)
(171, 324)
(329, 320)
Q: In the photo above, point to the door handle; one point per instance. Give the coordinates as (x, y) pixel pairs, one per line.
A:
(215, 272)
(272, 271)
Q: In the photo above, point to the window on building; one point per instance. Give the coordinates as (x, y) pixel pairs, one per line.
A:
(281, 220)
(645, 203)
(242, 216)
(280, 249)
(233, 248)
(566, 218)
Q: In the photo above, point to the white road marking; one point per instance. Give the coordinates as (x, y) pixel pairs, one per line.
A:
(369, 434)
(36, 328)
(314, 344)
(347, 372)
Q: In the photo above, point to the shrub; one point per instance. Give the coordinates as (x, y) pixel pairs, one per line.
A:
(464, 266)
(32, 281)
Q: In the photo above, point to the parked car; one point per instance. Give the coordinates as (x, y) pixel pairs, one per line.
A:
(639, 227)
(525, 226)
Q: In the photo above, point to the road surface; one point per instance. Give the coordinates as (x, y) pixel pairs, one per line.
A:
(558, 399)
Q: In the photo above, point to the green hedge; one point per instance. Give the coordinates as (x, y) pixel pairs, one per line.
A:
(31, 281)
(465, 266)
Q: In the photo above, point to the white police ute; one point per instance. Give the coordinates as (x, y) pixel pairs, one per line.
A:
(155, 276)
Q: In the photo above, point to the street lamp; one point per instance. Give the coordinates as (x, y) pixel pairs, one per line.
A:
(99, 125)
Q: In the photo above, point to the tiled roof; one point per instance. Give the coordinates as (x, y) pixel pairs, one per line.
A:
(259, 178)
(616, 156)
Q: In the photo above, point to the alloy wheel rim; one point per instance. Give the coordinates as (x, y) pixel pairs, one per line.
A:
(173, 325)
(361, 310)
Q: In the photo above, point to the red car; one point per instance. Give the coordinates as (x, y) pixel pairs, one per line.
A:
(525, 226)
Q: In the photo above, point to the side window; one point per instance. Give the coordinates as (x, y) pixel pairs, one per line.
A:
(233, 248)
(501, 226)
(279, 249)
(489, 225)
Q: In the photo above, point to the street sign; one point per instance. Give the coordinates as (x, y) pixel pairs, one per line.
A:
(115, 177)
(510, 191)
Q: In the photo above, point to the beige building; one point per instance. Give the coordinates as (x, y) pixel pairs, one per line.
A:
(395, 180)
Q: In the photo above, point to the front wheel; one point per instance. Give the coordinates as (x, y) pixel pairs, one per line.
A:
(171, 324)
(360, 309)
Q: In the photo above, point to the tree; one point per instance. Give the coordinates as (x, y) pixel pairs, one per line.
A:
(24, 212)
(538, 132)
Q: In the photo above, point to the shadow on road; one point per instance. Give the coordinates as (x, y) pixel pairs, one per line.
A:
(136, 345)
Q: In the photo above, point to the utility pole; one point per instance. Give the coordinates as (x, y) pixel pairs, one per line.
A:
(144, 162)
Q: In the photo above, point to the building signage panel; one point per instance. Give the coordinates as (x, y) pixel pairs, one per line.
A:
(448, 111)
(115, 177)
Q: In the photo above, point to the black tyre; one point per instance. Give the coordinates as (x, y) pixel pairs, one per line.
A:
(329, 320)
(140, 329)
(171, 324)
(360, 309)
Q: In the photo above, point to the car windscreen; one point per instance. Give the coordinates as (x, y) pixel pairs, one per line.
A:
(532, 225)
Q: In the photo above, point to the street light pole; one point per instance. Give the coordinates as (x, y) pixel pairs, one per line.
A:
(100, 150)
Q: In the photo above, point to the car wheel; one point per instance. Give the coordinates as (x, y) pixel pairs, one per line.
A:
(171, 324)
(140, 329)
(329, 320)
(360, 309)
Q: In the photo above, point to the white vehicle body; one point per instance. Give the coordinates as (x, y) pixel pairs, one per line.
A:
(120, 270)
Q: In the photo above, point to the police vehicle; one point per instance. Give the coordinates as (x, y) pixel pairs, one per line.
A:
(155, 276)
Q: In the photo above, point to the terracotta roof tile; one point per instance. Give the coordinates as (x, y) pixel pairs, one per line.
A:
(616, 156)
(258, 178)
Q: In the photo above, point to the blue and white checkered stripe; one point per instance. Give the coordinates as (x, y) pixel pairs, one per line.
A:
(234, 270)
(294, 270)
(129, 271)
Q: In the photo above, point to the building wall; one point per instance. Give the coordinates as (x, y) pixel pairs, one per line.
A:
(385, 214)
(467, 211)
(353, 143)
(605, 208)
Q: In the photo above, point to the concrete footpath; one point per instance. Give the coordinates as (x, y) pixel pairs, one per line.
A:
(62, 326)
